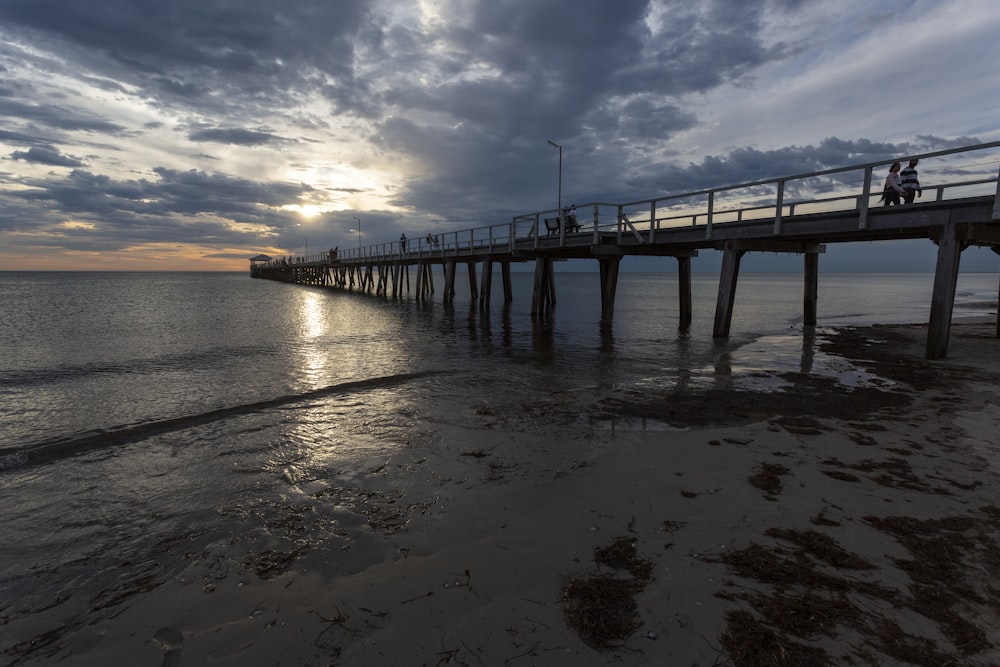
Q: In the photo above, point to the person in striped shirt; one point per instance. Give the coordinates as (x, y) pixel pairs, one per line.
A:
(911, 186)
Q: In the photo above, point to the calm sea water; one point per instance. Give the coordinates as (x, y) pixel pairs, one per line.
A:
(164, 405)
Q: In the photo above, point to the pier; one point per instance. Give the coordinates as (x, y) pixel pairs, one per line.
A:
(798, 214)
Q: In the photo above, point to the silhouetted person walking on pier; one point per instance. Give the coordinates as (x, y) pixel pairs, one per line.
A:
(402, 243)
(910, 183)
(892, 190)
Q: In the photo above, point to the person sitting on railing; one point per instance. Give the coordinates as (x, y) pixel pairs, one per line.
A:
(571, 224)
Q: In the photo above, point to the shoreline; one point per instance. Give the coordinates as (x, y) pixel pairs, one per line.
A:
(822, 522)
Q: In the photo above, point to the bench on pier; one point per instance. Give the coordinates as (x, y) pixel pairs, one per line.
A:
(552, 224)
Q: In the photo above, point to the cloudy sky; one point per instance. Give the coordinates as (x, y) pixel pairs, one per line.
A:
(193, 134)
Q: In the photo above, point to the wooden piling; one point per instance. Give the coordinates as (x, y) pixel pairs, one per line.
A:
(943, 296)
(449, 281)
(486, 284)
(684, 291)
(541, 292)
(609, 286)
(727, 289)
(473, 288)
(508, 292)
(810, 289)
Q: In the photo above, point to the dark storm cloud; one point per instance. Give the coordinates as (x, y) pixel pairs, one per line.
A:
(49, 155)
(235, 136)
(198, 51)
(56, 117)
(593, 77)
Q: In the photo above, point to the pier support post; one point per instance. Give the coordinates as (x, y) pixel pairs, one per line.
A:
(420, 282)
(943, 297)
(550, 279)
(449, 281)
(609, 287)
(473, 288)
(383, 279)
(486, 284)
(542, 291)
(727, 290)
(810, 289)
(508, 292)
(684, 291)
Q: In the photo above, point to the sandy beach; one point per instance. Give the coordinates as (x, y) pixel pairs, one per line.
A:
(825, 520)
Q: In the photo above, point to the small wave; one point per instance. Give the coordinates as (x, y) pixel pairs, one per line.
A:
(47, 450)
(31, 377)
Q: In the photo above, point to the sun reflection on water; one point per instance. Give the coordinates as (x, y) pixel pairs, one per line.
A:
(314, 362)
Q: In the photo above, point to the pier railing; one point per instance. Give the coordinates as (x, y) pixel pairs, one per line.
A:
(845, 189)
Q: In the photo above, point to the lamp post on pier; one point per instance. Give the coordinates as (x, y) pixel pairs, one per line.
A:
(559, 199)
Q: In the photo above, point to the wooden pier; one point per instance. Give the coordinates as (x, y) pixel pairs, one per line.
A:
(797, 214)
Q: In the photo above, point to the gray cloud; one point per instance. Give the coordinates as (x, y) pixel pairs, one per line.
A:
(49, 155)
(195, 205)
(236, 136)
(56, 117)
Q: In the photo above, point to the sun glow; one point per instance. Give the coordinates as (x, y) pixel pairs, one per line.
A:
(307, 211)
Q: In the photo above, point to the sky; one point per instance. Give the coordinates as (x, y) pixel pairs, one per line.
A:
(192, 135)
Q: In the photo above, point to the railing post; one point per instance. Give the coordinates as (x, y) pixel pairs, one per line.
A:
(711, 210)
(866, 195)
(652, 220)
(996, 200)
(621, 224)
(779, 207)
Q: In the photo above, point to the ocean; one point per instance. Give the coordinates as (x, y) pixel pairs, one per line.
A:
(144, 414)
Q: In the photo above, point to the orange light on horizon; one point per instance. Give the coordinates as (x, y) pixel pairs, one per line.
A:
(147, 257)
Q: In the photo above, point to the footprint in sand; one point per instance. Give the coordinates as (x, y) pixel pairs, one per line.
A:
(170, 640)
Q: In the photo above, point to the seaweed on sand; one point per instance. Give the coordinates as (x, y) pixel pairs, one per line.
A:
(807, 594)
(750, 642)
(601, 607)
(767, 477)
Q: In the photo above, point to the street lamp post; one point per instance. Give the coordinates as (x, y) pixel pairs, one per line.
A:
(559, 200)
(359, 230)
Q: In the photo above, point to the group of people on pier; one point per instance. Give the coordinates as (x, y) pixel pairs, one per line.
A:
(431, 241)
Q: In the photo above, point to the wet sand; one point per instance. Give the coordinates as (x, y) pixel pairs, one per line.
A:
(826, 521)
